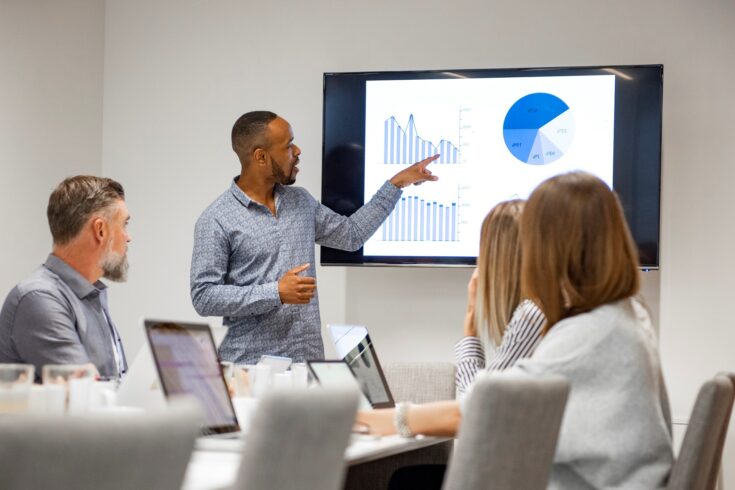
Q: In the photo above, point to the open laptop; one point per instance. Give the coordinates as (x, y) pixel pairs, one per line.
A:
(185, 357)
(140, 387)
(353, 345)
(337, 374)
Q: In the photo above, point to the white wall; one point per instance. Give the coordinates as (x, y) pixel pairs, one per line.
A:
(178, 72)
(51, 60)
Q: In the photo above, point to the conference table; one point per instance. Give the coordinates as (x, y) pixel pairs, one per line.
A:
(214, 463)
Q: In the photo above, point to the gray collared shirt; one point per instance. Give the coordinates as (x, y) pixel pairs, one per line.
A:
(241, 250)
(56, 316)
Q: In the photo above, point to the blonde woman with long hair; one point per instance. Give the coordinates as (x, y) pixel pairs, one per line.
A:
(509, 327)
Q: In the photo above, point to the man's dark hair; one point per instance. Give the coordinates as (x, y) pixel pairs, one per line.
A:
(249, 132)
(76, 200)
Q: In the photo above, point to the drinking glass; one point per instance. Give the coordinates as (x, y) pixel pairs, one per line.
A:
(69, 384)
(283, 381)
(15, 387)
(228, 372)
(300, 375)
(263, 379)
(244, 375)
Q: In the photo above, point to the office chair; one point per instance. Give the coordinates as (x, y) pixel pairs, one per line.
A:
(697, 465)
(114, 452)
(421, 382)
(508, 434)
(297, 440)
(416, 382)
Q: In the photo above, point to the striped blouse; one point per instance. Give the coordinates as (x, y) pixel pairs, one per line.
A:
(519, 341)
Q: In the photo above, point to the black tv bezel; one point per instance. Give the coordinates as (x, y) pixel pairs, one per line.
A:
(625, 180)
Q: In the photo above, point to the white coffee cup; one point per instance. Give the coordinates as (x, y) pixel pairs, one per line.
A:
(283, 381)
(262, 382)
(300, 375)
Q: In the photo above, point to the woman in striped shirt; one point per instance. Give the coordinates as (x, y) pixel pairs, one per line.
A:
(512, 328)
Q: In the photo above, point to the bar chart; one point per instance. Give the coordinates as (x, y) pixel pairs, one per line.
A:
(402, 146)
(419, 220)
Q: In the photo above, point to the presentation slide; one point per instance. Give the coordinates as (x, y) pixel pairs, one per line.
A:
(498, 139)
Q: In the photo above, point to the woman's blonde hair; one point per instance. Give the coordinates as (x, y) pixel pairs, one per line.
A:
(578, 253)
(499, 269)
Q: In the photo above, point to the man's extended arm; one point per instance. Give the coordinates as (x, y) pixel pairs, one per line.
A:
(209, 293)
(350, 233)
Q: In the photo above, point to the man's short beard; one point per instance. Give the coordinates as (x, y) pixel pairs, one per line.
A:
(280, 175)
(114, 266)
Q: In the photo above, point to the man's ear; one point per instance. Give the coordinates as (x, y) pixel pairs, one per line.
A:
(99, 229)
(259, 156)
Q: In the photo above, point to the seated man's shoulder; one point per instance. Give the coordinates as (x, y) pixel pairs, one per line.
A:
(36, 297)
(42, 283)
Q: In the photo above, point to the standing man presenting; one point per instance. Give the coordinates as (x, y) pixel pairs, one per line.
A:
(253, 259)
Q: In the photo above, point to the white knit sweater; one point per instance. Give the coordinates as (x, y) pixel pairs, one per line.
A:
(614, 433)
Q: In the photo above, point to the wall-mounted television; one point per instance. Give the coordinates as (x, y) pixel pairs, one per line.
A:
(499, 133)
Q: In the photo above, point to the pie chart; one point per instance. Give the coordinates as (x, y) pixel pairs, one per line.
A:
(538, 129)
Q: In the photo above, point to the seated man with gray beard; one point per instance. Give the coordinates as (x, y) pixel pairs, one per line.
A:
(59, 315)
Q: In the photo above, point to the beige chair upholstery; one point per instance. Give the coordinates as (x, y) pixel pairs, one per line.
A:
(699, 458)
(508, 434)
(421, 382)
(112, 452)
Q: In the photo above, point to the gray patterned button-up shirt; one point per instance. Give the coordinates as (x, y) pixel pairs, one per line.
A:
(241, 250)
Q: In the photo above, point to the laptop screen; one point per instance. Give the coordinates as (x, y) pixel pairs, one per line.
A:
(337, 374)
(187, 364)
(354, 346)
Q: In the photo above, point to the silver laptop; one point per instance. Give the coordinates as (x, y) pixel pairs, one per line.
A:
(353, 345)
(186, 360)
(140, 387)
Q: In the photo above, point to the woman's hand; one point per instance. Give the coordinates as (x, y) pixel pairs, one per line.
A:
(432, 419)
(379, 422)
(470, 329)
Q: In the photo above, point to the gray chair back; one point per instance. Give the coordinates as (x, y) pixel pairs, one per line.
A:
(421, 382)
(114, 452)
(717, 463)
(417, 382)
(508, 434)
(698, 462)
(297, 440)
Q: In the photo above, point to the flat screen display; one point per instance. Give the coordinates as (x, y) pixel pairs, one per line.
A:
(499, 133)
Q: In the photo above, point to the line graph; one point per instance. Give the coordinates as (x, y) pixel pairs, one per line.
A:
(401, 146)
